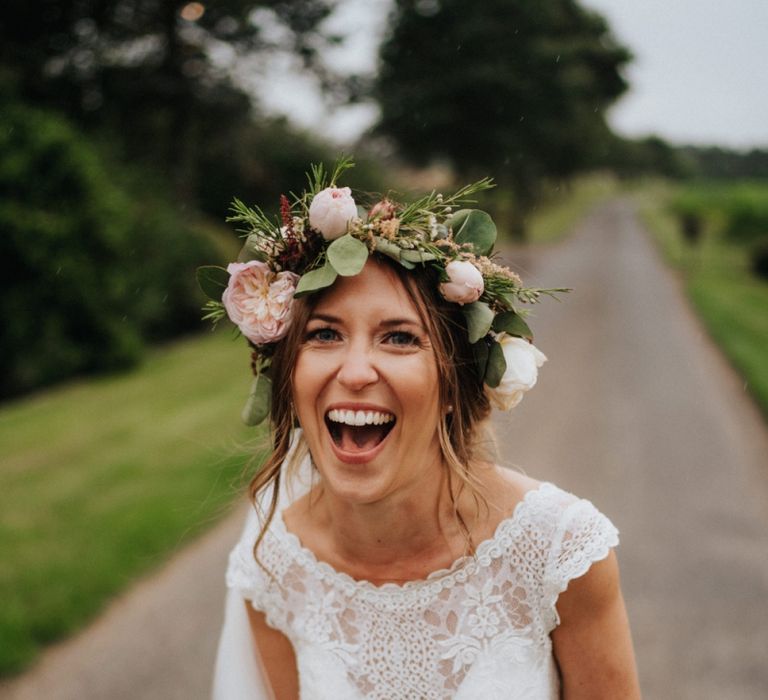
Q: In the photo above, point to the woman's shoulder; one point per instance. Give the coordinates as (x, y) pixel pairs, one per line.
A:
(556, 517)
(508, 490)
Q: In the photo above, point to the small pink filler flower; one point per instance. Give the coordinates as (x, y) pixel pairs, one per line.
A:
(465, 283)
(331, 211)
(258, 301)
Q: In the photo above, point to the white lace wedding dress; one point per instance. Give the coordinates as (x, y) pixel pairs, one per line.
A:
(478, 630)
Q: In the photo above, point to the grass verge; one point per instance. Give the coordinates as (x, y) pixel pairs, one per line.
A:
(730, 300)
(104, 479)
(563, 206)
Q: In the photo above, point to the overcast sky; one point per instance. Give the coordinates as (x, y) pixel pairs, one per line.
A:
(699, 75)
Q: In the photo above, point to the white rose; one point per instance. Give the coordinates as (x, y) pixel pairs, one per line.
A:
(523, 362)
(465, 283)
(331, 211)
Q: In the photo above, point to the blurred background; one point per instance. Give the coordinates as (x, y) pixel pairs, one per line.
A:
(128, 126)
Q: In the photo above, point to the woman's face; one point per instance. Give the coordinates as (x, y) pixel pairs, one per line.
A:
(365, 388)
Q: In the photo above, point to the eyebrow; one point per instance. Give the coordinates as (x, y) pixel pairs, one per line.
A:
(388, 323)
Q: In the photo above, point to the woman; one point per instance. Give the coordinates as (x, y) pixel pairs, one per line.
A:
(390, 558)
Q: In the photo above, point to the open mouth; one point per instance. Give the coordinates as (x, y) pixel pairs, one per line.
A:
(358, 431)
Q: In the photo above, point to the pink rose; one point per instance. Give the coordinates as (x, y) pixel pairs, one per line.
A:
(523, 361)
(465, 283)
(331, 211)
(382, 210)
(258, 301)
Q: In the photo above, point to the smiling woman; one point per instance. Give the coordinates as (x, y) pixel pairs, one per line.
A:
(388, 556)
(366, 351)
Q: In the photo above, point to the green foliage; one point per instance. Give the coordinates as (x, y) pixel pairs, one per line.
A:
(347, 255)
(475, 227)
(652, 155)
(89, 271)
(319, 177)
(320, 278)
(718, 163)
(256, 407)
(746, 215)
(525, 95)
(718, 274)
(760, 259)
(512, 323)
(147, 76)
(736, 211)
(479, 317)
(497, 365)
(562, 205)
(103, 481)
(212, 280)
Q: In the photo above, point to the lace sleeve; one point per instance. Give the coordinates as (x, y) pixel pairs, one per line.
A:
(244, 575)
(583, 536)
(237, 673)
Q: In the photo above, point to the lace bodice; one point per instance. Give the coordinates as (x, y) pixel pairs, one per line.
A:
(477, 630)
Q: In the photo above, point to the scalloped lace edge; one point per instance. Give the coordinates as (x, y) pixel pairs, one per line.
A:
(462, 568)
(554, 589)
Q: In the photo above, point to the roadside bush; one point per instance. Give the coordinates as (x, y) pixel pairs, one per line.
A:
(759, 259)
(739, 211)
(89, 270)
(746, 216)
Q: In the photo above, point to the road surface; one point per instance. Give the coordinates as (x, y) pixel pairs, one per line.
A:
(635, 410)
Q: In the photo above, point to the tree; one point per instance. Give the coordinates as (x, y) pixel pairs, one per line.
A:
(516, 88)
(90, 270)
(145, 70)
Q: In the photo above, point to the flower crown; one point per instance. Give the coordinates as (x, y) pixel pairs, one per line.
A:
(323, 233)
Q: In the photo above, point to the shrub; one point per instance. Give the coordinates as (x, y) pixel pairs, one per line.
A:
(746, 216)
(89, 270)
(759, 259)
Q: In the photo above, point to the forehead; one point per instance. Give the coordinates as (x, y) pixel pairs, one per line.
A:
(376, 290)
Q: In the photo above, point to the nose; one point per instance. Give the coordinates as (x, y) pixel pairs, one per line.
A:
(357, 370)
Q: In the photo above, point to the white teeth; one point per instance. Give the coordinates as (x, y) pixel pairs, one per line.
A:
(338, 415)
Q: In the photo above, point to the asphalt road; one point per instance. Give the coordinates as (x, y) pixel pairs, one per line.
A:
(635, 410)
(638, 411)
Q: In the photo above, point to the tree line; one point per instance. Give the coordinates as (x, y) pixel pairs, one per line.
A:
(124, 137)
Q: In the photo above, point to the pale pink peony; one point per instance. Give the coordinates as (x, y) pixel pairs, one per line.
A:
(331, 211)
(523, 361)
(258, 301)
(465, 283)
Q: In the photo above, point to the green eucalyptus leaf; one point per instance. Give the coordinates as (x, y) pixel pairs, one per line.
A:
(391, 250)
(497, 365)
(320, 278)
(480, 351)
(416, 256)
(347, 255)
(213, 280)
(479, 319)
(256, 408)
(512, 323)
(476, 227)
(387, 248)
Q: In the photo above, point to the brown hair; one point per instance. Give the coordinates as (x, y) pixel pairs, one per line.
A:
(461, 394)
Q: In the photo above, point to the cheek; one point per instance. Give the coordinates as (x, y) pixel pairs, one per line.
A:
(420, 388)
(311, 374)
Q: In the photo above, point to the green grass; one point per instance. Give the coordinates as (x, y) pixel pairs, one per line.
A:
(563, 206)
(730, 300)
(102, 480)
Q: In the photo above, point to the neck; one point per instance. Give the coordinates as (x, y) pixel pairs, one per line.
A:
(398, 538)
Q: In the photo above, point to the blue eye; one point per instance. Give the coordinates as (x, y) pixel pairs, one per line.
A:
(402, 338)
(322, 335)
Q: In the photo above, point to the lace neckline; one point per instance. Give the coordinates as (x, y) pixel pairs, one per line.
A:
(458, 572)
